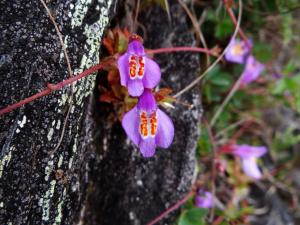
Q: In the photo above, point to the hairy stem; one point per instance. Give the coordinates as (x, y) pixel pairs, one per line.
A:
(54, 87)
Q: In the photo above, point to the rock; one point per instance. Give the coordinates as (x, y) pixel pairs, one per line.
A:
(37, 187)
(125, 187)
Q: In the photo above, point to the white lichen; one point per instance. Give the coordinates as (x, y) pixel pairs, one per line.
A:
(49, 169)
(58, 217)
(50, 134)
(81, 89)
(44, 202)
(139, 183)
(5, 160)
(81, 8)
(22, 122)
(58, 125)
(60, 161)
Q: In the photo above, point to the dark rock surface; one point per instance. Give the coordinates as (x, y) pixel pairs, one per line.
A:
(37, 187)
(270, 208)
(126, 188)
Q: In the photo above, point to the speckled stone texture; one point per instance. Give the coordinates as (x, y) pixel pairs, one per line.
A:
(127, 188)
(37, 187)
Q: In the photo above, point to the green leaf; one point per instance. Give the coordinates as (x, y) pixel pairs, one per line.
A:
(280, 87)
(224, 28)
(289, 68)
(193, 216)
(263, 52)
(204, 146)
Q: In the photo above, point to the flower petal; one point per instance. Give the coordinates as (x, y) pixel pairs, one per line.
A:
(152, 73)
(204, 200)
(248, 151)
(123, 65)
(135, 87)
(147, 147)
(165, 130)
(252, 70)
(147, 102)
(135, 47)
(237, 51)
(130, 123)
(250, 168)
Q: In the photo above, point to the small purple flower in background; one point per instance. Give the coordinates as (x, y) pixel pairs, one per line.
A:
(249, 155)
(252, 70)
(137, 71)
(147, 126)
(204, 199)
(238, 51)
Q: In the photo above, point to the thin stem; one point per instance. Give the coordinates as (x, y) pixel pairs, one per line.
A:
(241, 33)
(213, 169)
(59, 36)
(54, 87)
(196, 25)
(181, 49)
(136, 15)
(171, 209)
(197, 80)
(225, 102)
(70, 74)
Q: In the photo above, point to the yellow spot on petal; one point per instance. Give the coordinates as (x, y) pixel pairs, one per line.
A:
(237, 49)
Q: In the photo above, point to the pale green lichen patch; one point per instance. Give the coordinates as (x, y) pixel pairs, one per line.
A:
(81, 8)
(59, 208)
(81, 89)
(50, 134)
(60, 161)
(5, 160)
(22, 122)
(44, 202)
(58, 125)
(93, 33)
(49, 168)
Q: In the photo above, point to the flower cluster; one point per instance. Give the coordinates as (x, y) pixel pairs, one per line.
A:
(146, 125)
(239, 52)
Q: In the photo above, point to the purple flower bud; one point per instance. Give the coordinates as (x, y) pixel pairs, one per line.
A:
(204, 199)
(249, 155)
(252, 70)
(238, 51)
(137, 71)
(147, 126)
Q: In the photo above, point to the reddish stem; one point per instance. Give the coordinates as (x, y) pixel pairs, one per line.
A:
(218, 220)
(54, 87)
(181, 49)
(241, 33)
(171, 209)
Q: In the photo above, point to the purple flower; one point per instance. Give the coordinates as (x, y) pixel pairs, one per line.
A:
(252, 70)
(249, 155)
(204, 199)
(147, 126)
(238, 51)
(137, 71)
